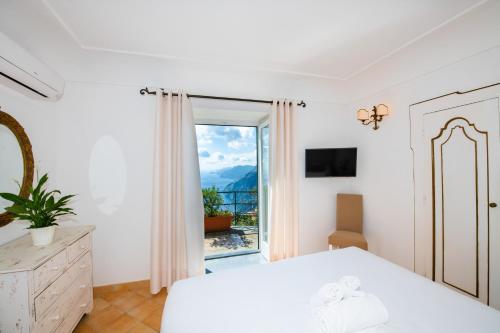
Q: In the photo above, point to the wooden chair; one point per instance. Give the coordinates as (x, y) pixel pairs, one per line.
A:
(349, 222)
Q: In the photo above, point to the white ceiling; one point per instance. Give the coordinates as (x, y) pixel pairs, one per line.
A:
(326, 38)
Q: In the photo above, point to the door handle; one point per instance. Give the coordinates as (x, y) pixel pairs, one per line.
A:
(493, 204)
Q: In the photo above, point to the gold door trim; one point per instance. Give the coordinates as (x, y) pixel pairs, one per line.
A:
(441, 132)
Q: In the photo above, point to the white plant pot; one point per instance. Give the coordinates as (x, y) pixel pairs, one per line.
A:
(43, 236)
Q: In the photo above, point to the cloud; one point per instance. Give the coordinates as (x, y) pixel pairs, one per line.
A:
(236, 144)
(230, 133)
(203, 135)
(241, 137)
(204, 154)
(225, 146)
(247, 132)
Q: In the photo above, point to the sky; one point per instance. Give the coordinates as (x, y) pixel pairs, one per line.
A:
(225, 146)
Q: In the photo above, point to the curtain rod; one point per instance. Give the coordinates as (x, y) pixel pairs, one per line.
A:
(145, 91)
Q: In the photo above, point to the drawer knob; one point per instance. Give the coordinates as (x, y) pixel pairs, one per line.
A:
(82, 286)
(57, 317)
(55, 268)
(82, 247)
(83, 305)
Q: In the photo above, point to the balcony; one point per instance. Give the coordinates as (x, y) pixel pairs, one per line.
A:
(242, 235)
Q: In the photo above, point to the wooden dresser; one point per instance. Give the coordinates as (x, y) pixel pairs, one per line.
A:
(46, 289)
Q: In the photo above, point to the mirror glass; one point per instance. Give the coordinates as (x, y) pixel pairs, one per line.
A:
(12, 165)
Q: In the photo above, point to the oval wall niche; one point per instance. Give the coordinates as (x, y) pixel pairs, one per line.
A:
(107, 175)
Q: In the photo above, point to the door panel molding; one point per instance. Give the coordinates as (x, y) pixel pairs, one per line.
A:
(446, 133)
(480, 113)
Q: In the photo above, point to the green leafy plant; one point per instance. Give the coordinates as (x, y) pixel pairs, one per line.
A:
(41, 208)
(244, 219)
(212, 201)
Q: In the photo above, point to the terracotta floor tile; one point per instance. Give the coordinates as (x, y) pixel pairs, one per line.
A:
(117, 297)
(141, 328)
(99, 320)
(83, 328)
(121, 325)
(127, 308)
(100, 304)
(160, 297)
(143, 311)
(98, 291)
(138, 285)
(102, 290)
(143, 291)
(154, 320)
(131, 302)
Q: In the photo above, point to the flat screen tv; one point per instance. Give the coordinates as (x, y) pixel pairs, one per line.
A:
(331, 162)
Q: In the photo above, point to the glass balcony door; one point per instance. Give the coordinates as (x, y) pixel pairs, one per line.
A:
(263, 165)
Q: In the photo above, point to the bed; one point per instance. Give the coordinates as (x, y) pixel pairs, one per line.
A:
(274, 298)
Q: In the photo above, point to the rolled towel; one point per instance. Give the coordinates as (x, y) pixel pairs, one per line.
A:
(351, 282)
(331, 293)
(352, 285)
(351, 315)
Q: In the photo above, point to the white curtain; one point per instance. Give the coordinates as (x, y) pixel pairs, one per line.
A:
(177, 217)
(283, 182)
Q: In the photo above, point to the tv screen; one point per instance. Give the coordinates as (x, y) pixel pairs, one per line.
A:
(331, 162)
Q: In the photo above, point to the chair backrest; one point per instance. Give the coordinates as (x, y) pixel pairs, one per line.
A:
(350, 212)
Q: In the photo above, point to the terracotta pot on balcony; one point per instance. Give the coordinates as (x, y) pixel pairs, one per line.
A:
(218, 223)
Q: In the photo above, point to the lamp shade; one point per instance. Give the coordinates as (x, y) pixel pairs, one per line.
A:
(382, 110)
(363, 114)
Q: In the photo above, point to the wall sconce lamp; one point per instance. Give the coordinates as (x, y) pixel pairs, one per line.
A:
(374, 116)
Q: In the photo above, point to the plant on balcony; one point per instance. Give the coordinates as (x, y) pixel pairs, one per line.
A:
(215, 218)
(212, 201)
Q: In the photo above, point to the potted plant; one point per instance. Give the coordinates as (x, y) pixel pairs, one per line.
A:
(215, 218)
(41, 209)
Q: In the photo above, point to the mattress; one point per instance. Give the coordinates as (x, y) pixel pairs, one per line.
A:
(274, 298)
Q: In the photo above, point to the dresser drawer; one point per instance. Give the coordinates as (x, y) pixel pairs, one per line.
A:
(77, 248)
(73, 317)
(58, 287)
(77, 296)
(53, 319)
(46, 273)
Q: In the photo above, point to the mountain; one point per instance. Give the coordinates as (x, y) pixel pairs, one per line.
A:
(246, 183)
(223, 177)
(246, 201)
(236, 172)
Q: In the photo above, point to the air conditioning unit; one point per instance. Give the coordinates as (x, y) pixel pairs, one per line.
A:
(23, 72)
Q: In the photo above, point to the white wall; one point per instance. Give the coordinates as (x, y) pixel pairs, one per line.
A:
(64, 136)
(463, 55)
(97, 140)
(102, 100)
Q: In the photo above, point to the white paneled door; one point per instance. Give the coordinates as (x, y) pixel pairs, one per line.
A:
(456, 148)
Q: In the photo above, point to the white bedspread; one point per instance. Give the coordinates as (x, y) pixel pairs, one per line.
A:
(274, 298)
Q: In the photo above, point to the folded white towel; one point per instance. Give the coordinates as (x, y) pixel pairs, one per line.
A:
(351, 281)
(352, 314)
(352, 285)
(331, 293)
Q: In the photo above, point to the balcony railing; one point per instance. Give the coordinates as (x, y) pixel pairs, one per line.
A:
(243, 205)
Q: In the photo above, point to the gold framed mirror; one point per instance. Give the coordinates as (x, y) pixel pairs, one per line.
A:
(16, 166)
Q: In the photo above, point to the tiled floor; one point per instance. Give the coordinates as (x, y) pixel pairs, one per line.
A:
(215, 265)
(127, 308)
(236, 239)
(130, 308)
